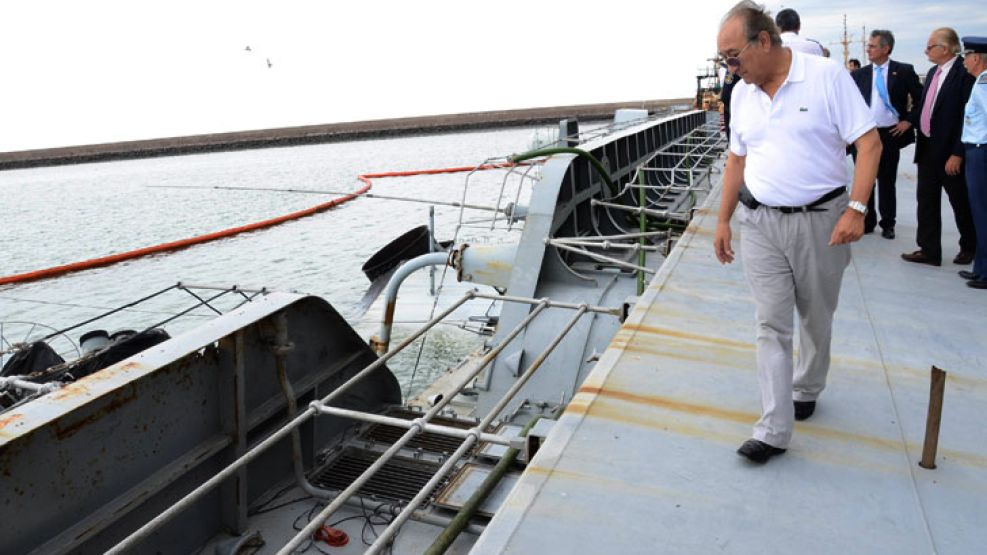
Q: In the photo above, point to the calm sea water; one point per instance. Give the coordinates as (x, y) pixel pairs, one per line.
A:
(52, 216)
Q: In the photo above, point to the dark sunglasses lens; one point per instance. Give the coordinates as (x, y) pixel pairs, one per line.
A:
(732, 61)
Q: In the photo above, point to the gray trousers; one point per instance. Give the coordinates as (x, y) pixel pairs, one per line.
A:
(790, 266)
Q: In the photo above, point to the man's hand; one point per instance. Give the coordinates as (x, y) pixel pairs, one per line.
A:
(733, 178)
(902, 127)
(953, 165)
(850, 228)
(721, 242)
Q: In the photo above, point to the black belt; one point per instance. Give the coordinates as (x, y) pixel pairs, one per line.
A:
(749, 201)
(974, 145)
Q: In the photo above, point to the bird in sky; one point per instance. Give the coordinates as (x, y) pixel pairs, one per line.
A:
(247, 48)
(269, 64)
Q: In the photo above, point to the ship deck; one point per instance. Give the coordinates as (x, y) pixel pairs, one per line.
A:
(643, 459)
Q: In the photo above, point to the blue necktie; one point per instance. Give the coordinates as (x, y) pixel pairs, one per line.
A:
(882, 89)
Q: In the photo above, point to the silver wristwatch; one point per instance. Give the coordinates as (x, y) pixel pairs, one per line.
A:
(858, 206)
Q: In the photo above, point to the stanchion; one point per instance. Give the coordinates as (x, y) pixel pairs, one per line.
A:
(936, 390)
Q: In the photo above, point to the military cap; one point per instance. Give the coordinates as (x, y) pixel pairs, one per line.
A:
(975, 44)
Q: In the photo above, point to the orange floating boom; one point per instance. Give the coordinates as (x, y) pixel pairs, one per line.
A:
(182, 243)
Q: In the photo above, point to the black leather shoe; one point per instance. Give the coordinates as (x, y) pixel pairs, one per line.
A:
(920, 257)
(868, 231)
(966, 274)
(758, 451)
(887, 233)
(804, 409)
(965, 257)
(977, 283)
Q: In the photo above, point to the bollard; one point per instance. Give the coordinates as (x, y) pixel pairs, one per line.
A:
(936, 390)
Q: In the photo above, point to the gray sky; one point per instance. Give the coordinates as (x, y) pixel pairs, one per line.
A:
(108, 70)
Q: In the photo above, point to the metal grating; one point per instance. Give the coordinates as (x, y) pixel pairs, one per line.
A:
(435, 443)
(400, 479)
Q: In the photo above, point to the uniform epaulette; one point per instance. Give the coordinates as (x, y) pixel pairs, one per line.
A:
(982, 80)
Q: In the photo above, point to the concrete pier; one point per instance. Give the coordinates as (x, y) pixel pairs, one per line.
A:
(312, 134)
(643, 459)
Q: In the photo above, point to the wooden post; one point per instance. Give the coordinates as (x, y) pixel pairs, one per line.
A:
(936, 390)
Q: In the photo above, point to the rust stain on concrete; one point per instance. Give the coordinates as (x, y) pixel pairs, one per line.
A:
(668, 332)
(595, 409)
(672, 404)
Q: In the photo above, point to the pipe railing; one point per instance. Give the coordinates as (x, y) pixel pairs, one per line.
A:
(599, 257)
(374, 418)
(605, 245)
(679, 216)
(417, 426)
(709, 141)
(144, 531)
(385, 537)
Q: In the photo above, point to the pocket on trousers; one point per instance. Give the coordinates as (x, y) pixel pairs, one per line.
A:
(741, 214)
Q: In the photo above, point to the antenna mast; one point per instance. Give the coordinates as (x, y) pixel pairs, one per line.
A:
(846, 43)
(863, 40)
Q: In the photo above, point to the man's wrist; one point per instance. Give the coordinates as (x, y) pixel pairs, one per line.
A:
(857, 207)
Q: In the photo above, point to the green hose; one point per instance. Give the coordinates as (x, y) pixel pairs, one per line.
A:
(600, 170)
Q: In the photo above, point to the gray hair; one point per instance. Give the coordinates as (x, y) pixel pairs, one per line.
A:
(949, 38)
(886, 37)
(756, 19)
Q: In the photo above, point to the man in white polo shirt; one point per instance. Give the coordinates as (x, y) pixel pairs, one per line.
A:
(793, 117)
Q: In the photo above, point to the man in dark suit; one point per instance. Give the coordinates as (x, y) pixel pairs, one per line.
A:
(939, 151)
(891, 90)
(726, 93)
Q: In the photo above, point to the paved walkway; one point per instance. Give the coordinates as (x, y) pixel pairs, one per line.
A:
(643, 460)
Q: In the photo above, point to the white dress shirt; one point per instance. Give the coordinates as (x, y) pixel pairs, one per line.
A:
(942, 76)
(943, 73)
(882, 116)
(795, 42)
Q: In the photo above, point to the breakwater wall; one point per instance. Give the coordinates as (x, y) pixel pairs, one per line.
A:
(312, 134)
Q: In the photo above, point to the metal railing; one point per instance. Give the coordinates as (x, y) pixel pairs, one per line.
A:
(414, 427)
(680, 168)
(54, 377)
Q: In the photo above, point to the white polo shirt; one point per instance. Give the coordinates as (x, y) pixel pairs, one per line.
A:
(795, 144)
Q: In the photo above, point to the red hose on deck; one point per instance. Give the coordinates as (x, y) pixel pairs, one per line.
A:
(182, 243)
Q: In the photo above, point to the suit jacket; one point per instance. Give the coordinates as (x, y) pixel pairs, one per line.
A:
(903, 86)
(946, 125)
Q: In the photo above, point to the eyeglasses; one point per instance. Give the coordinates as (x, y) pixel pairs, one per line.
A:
(734, 61)
(929, 47)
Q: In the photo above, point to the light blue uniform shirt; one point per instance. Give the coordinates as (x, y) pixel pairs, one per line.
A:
(975, 116)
